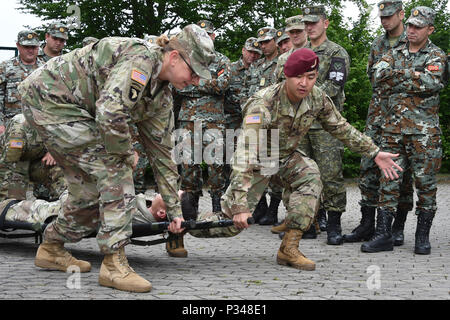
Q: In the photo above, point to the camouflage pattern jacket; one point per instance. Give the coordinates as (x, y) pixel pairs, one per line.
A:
(205, 102)
(380, 47)
(233, 95)
(12, 72)
(269, 109)
(413, 82)
(260, 75)
(113, 82)
(334, 67)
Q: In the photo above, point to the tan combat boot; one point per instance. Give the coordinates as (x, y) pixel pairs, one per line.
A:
(280, 228)
(175, 248)
(53, 256)
(289, 255)
(115, 272)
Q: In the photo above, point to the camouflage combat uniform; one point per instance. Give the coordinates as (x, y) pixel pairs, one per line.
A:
(202, 117)
(20, 162)
(12, 72)
(369, 176)
(84, 121)
(297, 174)
(411, 120)
(334, 67)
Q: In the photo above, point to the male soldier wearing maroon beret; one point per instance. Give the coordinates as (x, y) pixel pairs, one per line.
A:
(287, 110)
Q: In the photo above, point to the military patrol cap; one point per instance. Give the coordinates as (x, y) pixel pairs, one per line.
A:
(266, 33)
(251, 44)
(151, 38)
(58, 30)
(281, 35)
(28, 38)
(89, 40)
(295, 23)
(206, 25)
(387, 8)
(198, 47)
(313, 14)
(422, 17)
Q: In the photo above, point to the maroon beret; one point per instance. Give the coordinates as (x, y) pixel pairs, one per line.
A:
(301, 61)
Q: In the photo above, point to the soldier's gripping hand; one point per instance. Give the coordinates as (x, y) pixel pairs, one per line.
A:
(240, 220)
(175, 225)
(387, 165)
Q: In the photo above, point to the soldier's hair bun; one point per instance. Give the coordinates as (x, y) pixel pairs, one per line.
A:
(162, 40)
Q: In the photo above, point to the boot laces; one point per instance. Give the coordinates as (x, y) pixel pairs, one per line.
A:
(123, 261)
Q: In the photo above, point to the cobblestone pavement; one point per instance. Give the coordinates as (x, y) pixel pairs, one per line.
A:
(244, 267)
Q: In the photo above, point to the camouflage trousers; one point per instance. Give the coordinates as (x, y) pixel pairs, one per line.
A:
(139, 174)
(422, 154)
(327, 152)
(369, 180)
(299, 176)
(100, 185)
(191, 173)
(36, 212)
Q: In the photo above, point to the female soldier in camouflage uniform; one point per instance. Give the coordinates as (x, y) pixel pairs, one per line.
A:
(81, 104)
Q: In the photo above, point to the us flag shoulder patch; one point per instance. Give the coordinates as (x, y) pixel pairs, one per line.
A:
(433, 68)
(253, 119)
(16, 144)
(139, 77)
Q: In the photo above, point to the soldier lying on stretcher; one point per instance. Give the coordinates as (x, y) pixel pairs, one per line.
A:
(149, 210)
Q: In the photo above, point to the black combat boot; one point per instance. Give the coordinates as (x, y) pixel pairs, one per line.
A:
(272, 214)
(334, 231)
(382, 239)
(424, 222)
(365, 229)
(215, 199)
(322, 219)
(261, 209)
(398, 226)
(311, 232)
(188, 206)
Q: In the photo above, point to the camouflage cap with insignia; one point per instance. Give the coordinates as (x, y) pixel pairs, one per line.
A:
(58, 30)
(28, 38)
(313, 14)
(281, 35)
(422, 17)
(198, 47)
(295, 23)
(387, 8)
(251, 44)
(266, 33)
(89, 40)
(151, 38)
(206, 25)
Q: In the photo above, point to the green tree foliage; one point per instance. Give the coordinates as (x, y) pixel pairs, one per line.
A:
(235, 21)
